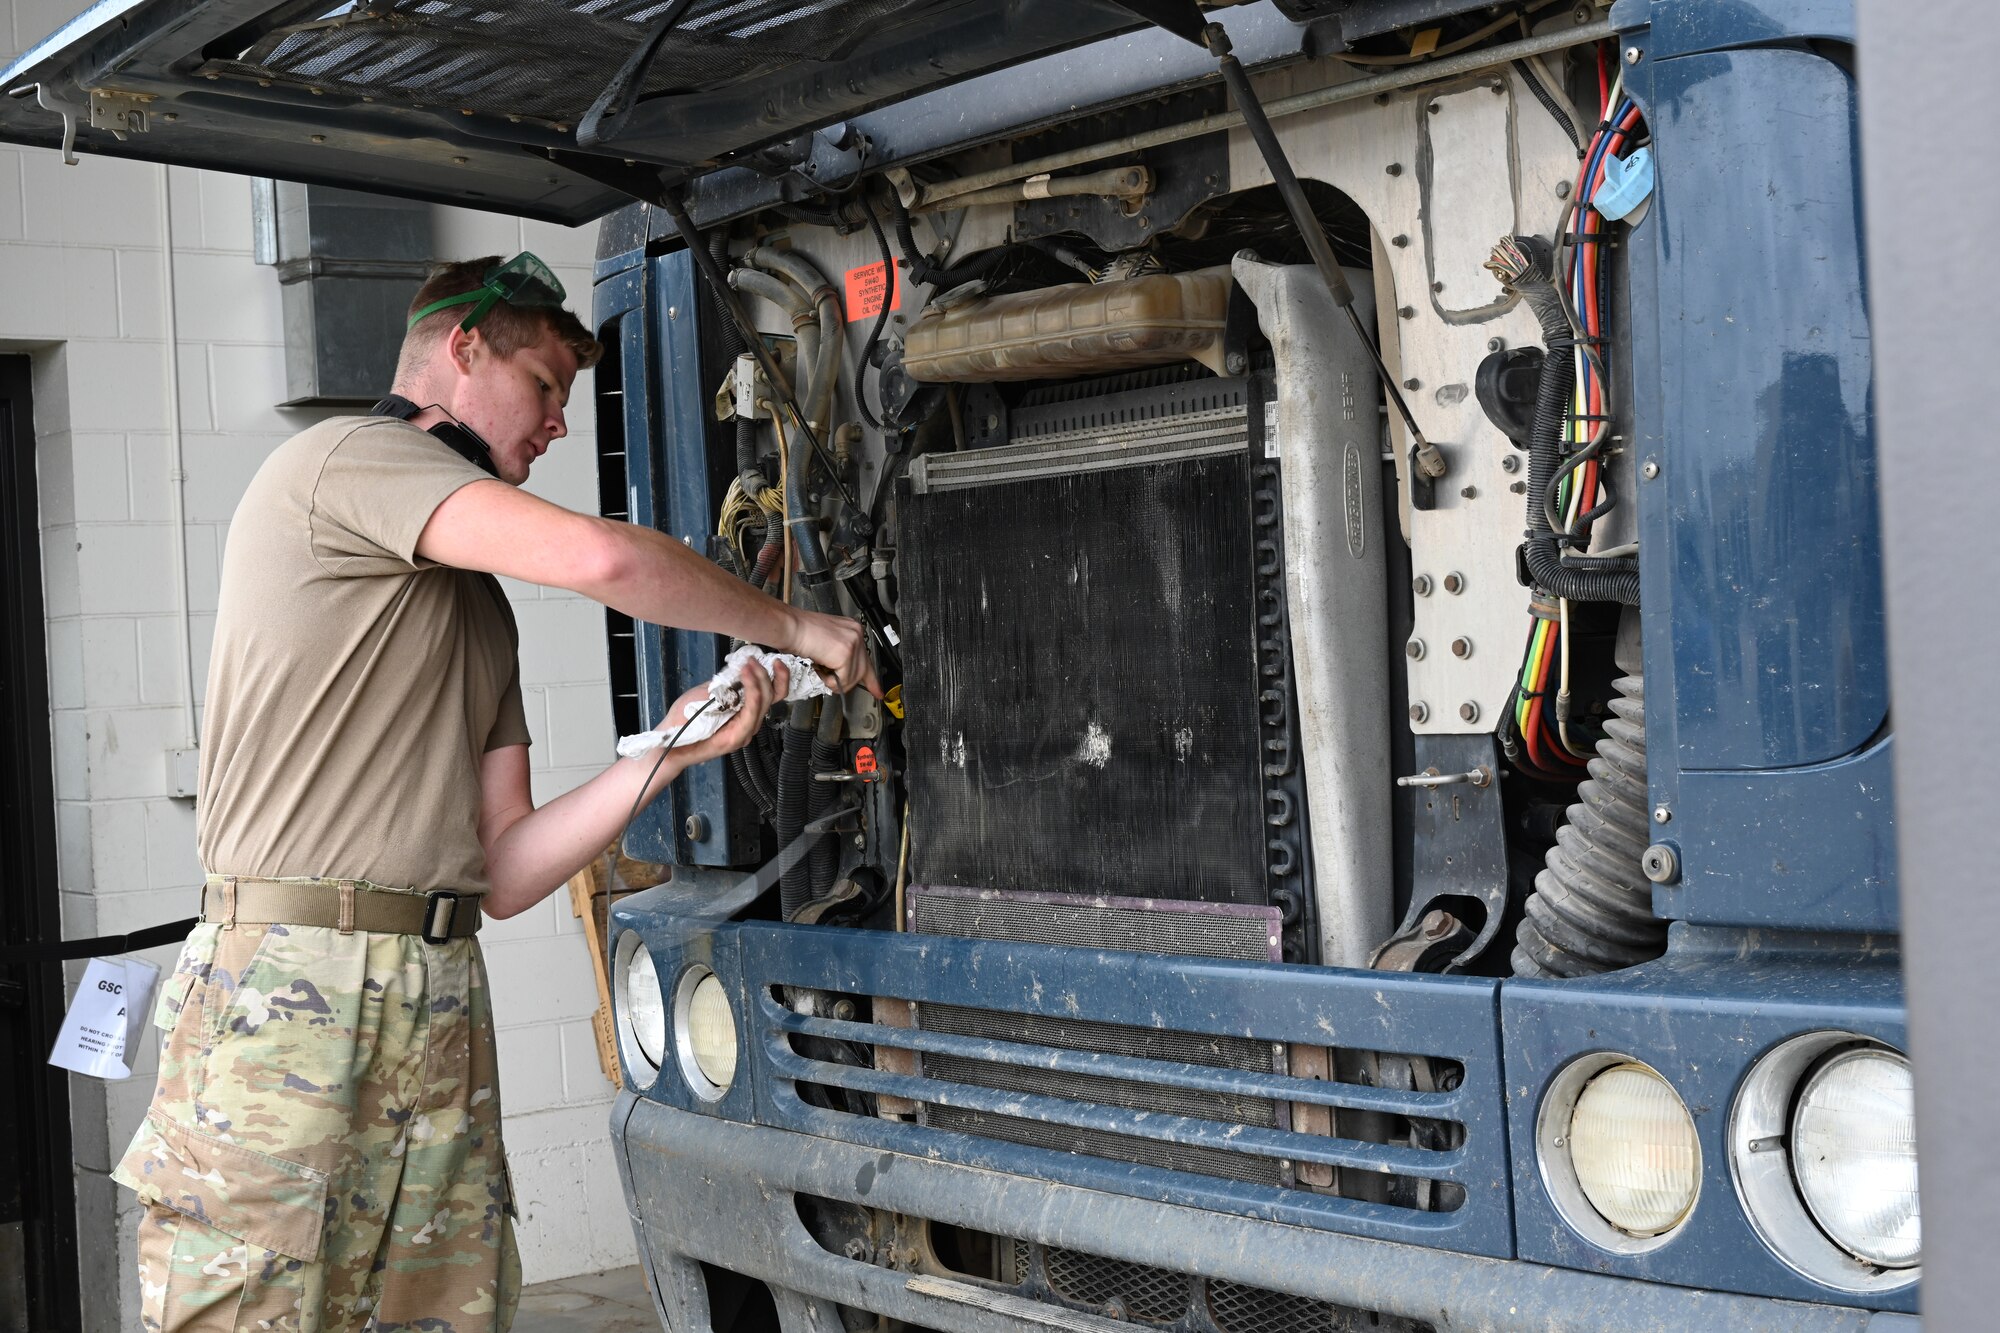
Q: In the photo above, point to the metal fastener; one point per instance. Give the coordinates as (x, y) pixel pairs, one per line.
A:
(1437, 286)
(1461, 647)
(319, 138)
(860, 840)
(1496, 344)
(1421, 585)
(696, 827)
(1650, 470)
(1415, 650)
(1399, 240)
(1518, 487)
(1510, 462)
(1468, 711)
(673, 312)
(1633, 55)
(1413, 384)
(1454, 583)
(1661, 814)
(1407, 312)
(1469, 492)
(1419, 711)
(1394, 168)
(1660, 864)
(1562, 189)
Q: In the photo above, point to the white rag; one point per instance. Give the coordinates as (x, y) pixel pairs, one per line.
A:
(725, 692)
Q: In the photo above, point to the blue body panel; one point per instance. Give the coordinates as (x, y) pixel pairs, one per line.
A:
(1752, 385)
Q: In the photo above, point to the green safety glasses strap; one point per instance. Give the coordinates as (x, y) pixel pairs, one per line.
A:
(523, 280)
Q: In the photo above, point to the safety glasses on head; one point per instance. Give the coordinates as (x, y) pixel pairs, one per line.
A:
(523, 280)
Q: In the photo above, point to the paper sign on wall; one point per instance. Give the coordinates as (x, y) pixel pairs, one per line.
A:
(867, 285)
(104, 1021)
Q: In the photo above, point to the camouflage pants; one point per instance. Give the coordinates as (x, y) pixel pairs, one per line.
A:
(323, 1151)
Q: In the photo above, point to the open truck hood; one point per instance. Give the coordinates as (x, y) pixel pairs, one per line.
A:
(462, 103)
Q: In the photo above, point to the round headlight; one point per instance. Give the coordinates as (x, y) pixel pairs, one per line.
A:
(704, 1033)
(642, 1009)
(1854, 1150)
(1822, 1146)
(1632, 1142)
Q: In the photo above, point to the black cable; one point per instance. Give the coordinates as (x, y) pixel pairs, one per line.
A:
(640, 799)
(1548, 101)
(867, 357)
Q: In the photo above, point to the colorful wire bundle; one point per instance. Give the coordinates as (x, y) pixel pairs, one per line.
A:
(1575, 496)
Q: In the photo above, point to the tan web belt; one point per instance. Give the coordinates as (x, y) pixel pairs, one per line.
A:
(346, 905)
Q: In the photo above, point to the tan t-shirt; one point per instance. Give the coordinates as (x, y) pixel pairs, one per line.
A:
(354, 687)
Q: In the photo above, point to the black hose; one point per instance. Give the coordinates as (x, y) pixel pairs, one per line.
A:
(1603, 580)
(1592, 908)
(756, 783)
(923, 271)
(794, 777)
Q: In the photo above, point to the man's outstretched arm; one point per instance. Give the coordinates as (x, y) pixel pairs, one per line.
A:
(530, 852)
(491, 526)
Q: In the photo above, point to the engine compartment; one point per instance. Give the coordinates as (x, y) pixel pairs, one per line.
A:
(1174, 610)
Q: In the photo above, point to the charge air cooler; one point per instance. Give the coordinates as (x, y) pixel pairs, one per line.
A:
(1111, 729)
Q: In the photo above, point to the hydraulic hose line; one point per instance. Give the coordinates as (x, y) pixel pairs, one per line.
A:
(1592, 908)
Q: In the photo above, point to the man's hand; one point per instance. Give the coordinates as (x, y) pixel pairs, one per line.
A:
(760, 692)
(838, 644)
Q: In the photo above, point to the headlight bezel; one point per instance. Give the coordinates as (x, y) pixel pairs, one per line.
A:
(1766, 1179)
(642, 1070)
(1557, 1167)
(698, 1079)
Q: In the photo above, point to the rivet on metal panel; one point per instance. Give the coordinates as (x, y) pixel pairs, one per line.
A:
(696, 827)
(1469, 492)
(1399, 240)
(1407, 312)
(1562, 189)
(1394, 168)
(1412, 384)
(1660, 864)
(1662, 815)
(1650, 470)
(1510, 462)
(1496, 344)
(1633, 55)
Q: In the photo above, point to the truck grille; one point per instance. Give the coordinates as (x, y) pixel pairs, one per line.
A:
(1164, 1077)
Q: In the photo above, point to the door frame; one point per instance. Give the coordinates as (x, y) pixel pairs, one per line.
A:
(28, 860)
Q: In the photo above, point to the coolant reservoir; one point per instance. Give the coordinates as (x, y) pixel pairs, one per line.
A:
(1081, 328)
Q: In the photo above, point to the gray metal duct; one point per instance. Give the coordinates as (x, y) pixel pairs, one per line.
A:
(348, 263)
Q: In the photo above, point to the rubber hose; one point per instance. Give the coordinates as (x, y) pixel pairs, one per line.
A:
(814, 577)
(819, 293)
(929, 274)
(769, 553)
(794, 777)
(1614, 580)
(1592, 908)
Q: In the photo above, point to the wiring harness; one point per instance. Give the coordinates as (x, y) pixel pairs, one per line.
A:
(1567, 449)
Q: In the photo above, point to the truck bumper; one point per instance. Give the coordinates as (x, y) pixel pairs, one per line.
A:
(706, 1190)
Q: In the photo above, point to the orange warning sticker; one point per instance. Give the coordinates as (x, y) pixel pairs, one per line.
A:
(864, 760)
(865, 288)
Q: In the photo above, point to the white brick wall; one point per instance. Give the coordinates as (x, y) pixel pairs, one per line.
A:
(80, 269)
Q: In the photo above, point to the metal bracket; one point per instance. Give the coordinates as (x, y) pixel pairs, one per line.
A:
(1459, 852)
(121, 113)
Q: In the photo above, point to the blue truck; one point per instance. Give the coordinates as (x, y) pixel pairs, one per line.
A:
(1368, 512)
